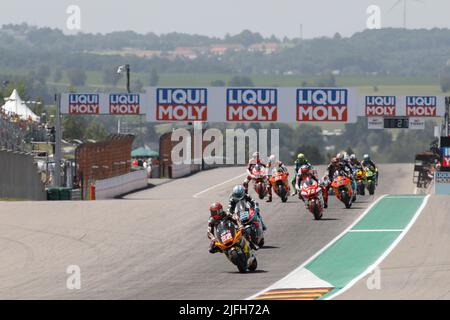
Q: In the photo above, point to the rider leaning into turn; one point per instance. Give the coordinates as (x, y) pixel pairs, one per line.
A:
(217, 214)
(301, 161)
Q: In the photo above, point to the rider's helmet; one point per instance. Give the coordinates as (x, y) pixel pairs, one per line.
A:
(340, 156)
(301, 157)
(366, 157)
(216, 210)
(272, 159)
(256, 157)
(334, 162)
(353, 158)
(238, 193)
(346, 157)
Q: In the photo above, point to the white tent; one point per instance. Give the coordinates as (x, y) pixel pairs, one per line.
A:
(15, 105)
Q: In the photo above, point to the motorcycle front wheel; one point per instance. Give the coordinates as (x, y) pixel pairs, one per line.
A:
(239, 259)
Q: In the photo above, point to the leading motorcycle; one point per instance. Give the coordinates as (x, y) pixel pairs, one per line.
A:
(235, 246)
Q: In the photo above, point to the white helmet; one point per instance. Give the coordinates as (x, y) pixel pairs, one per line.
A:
(272, 158)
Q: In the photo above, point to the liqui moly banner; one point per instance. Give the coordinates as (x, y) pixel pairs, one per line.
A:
(103, 103)
(221, 104)
(380, 106)
(249, 104)
(322, 105)
(181, 104)
(421, 106)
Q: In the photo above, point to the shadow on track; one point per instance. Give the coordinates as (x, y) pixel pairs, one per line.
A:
(270, 247)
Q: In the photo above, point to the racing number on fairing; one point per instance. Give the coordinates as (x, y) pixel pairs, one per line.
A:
(226, 236)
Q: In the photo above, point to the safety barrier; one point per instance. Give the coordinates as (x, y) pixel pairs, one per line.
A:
(112, 187)
(19, 178)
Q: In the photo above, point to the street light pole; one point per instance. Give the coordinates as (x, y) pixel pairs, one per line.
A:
(57, 154)
(119, 70)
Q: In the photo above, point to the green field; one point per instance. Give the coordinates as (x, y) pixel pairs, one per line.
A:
(367, 83)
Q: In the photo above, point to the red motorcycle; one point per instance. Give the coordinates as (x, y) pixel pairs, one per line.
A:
(342, 187)
(259, 176)
(312, 193)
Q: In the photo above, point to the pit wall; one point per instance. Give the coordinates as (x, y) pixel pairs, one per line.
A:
(119, 185)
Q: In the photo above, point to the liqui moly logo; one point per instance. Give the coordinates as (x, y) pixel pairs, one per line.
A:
(80, 103)
(181, 104)
(421, 106)
(124, 103)
(322, 105)
(252, 105)
(379, 106)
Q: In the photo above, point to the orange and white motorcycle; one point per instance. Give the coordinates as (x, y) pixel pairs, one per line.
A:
(280, 184)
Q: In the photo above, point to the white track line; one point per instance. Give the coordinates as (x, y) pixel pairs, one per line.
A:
(385, 254)
(321, 250)
(376, 230)
(218, 185)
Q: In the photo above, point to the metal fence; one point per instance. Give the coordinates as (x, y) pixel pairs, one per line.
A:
(17, 135)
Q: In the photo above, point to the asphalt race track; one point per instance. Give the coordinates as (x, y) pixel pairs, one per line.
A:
(419, 268)
(153, 245)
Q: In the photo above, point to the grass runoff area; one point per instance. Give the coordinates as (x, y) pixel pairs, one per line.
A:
(368, 84)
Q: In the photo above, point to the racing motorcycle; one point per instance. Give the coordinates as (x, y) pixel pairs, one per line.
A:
(251, 222)
(370, 180)
(342, 187)
(280, 184)
(235, 246)
(260, 181)
(360, 177)
(312, 193)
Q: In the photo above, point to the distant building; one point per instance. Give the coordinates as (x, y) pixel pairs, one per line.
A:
(220, 49)
(265, 47)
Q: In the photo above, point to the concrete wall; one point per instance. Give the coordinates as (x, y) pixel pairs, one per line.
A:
(19, 178)
(112, 187)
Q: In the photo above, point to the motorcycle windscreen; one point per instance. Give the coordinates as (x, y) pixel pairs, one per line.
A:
(225, 231)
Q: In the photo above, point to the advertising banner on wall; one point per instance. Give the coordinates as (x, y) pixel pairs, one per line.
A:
(380, 106)
(442, 182)
(375, 123)
(103, 103)
(222, 104)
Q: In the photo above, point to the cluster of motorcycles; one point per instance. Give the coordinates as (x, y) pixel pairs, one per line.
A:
(235, 243)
